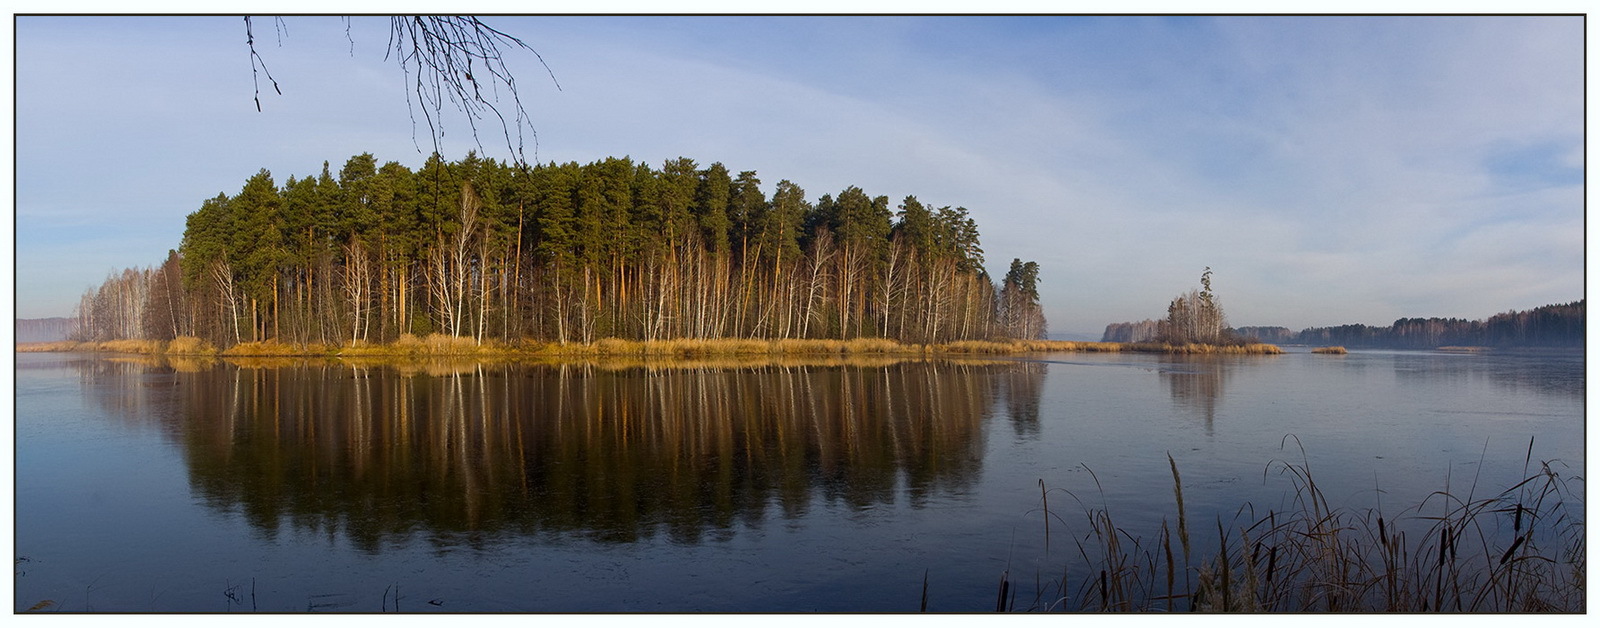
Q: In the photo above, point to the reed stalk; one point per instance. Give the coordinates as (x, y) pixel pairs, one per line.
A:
(1520, 550)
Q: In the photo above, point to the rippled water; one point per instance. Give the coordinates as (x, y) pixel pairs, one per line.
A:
(713, 486)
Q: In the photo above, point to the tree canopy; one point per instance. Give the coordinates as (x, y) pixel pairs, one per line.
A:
(565, 252)
(1196, 317)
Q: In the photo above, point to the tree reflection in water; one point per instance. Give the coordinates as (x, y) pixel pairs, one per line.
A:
(1196, 383)
(609, 451)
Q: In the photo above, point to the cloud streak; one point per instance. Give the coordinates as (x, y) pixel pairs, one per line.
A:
(1331, 170)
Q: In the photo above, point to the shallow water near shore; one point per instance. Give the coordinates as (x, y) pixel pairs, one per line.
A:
(300, 485)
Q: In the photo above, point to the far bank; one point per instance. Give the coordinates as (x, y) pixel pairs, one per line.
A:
(439, 345)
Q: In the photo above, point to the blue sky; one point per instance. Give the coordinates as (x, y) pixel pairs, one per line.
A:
(1329, 170)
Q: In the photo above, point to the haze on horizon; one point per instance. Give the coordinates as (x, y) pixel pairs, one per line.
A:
(1329, 170)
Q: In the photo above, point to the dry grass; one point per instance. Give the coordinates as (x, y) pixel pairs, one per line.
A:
(1522, 550)
(273, 349)
(367, 349)
(62, 346)
(991, 347)
(266, 362)
(878, 345)
(190, 345)
(801, 346)
(1071, 346)
(440, 345)
(1330, 350)
(141, 347)
(434, 345)
(409, 344)
(1255, 348)
(697, 347)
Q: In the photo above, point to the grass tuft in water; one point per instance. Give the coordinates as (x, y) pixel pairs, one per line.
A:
(1520, 550)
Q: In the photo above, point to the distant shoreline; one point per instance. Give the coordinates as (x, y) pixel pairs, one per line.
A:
(447, 346)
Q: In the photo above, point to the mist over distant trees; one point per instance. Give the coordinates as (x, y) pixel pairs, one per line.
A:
(1143, 331)
(44, 329)
(563, 253)
(1560, 325)
(1275, 335)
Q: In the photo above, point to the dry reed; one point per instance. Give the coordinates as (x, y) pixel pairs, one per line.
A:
(63, 346)
(1522, 550)
(141, 347)
(275, 349)
(190, 345)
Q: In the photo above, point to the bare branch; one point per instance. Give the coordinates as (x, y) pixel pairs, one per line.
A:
(257, 62)
(439, 55)
(453, 60)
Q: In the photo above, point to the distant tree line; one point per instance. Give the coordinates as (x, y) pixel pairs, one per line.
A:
(1275, 335)
(44, 329)
(1560, 325)
(1142, 331)
(562, 253)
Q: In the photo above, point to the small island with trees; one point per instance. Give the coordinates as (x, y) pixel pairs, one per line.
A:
(482, 256)
(479, 257)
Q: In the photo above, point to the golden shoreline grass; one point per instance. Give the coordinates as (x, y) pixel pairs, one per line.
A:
(438, 345)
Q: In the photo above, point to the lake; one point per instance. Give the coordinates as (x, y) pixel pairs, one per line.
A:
(723, 486)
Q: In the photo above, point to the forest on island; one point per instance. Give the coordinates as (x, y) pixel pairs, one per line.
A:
(1194, 317)
(562, 253)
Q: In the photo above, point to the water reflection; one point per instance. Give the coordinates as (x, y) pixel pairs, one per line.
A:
(1020, 389)
(1545, 372)
(1196, 383)
(465, 452)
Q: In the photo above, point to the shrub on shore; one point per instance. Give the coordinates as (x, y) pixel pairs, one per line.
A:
(190, 345)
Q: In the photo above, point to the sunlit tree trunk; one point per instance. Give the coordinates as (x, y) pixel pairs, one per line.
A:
(222, 274)
(357, 283)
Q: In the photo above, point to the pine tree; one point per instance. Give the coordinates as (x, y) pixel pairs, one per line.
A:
(561, 252)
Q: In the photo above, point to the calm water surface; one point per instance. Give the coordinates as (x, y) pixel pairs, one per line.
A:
(297, 486)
